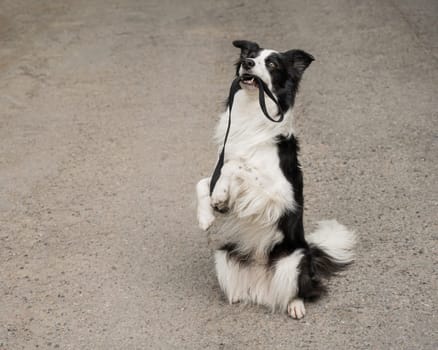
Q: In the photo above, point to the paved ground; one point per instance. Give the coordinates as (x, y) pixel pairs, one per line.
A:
(106, 114)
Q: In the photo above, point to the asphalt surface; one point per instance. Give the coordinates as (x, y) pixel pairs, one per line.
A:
(107, 110)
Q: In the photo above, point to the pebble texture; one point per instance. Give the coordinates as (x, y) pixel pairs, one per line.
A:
(107, 110)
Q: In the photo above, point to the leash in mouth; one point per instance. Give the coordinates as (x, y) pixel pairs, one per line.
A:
(235, 86)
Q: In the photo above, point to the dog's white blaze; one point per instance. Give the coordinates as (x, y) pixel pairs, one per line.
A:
(260, 69)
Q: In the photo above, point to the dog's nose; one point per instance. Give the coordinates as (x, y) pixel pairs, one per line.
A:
(248, 63)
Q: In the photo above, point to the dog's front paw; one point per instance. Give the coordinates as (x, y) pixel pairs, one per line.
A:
(296, 309)
(205, 220)
(220, 202)
(219, 198)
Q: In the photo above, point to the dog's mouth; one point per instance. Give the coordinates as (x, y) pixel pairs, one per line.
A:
(247, 80)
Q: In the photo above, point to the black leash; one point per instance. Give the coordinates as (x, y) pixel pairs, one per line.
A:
(233, 89)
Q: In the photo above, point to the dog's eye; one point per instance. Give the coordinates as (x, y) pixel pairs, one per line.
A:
(272, 65)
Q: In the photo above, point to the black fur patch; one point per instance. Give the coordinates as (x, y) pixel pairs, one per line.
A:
(291, 223)
(234, 253)
(315, 266)
(284, 83)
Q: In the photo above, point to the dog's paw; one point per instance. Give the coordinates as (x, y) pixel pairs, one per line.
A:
(205, 220)
(296, 309)
(219, 198)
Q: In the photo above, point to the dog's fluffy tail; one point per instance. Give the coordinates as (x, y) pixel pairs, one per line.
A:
(330, 251)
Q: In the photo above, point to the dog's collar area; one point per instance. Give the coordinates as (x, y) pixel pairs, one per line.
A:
(235, 86)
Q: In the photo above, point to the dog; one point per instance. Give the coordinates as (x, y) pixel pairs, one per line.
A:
(263, 256)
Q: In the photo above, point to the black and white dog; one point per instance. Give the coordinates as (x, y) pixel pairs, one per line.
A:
(263, 256)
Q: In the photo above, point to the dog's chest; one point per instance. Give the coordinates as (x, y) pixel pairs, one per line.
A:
(260, 162)
(259, 189)
(259, 195)
(253, 141)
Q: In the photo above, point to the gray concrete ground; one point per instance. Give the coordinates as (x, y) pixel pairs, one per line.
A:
(106, 114)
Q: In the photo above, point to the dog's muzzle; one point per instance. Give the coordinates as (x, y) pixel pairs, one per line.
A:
(248, 80)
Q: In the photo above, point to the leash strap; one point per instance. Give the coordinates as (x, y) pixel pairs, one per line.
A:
(263, 88)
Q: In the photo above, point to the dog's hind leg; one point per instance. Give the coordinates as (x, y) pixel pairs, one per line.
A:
(205, 210)
(226, 272)
(233, 278)
(284, 285)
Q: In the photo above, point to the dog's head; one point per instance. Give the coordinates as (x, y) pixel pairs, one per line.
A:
(280, 71)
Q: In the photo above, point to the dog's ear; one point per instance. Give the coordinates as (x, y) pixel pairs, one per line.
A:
(246, 46)
(298, 60)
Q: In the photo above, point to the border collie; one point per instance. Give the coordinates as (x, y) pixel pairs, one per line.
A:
(263, 256)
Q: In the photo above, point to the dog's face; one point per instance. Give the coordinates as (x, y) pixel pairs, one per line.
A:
(279, 70)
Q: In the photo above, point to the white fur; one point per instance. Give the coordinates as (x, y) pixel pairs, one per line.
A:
(296, 308)
(256, 283)
(220, 195)
(205, 211)
(246, 284)
(251, 236)
(335, 239)
(284, 285)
